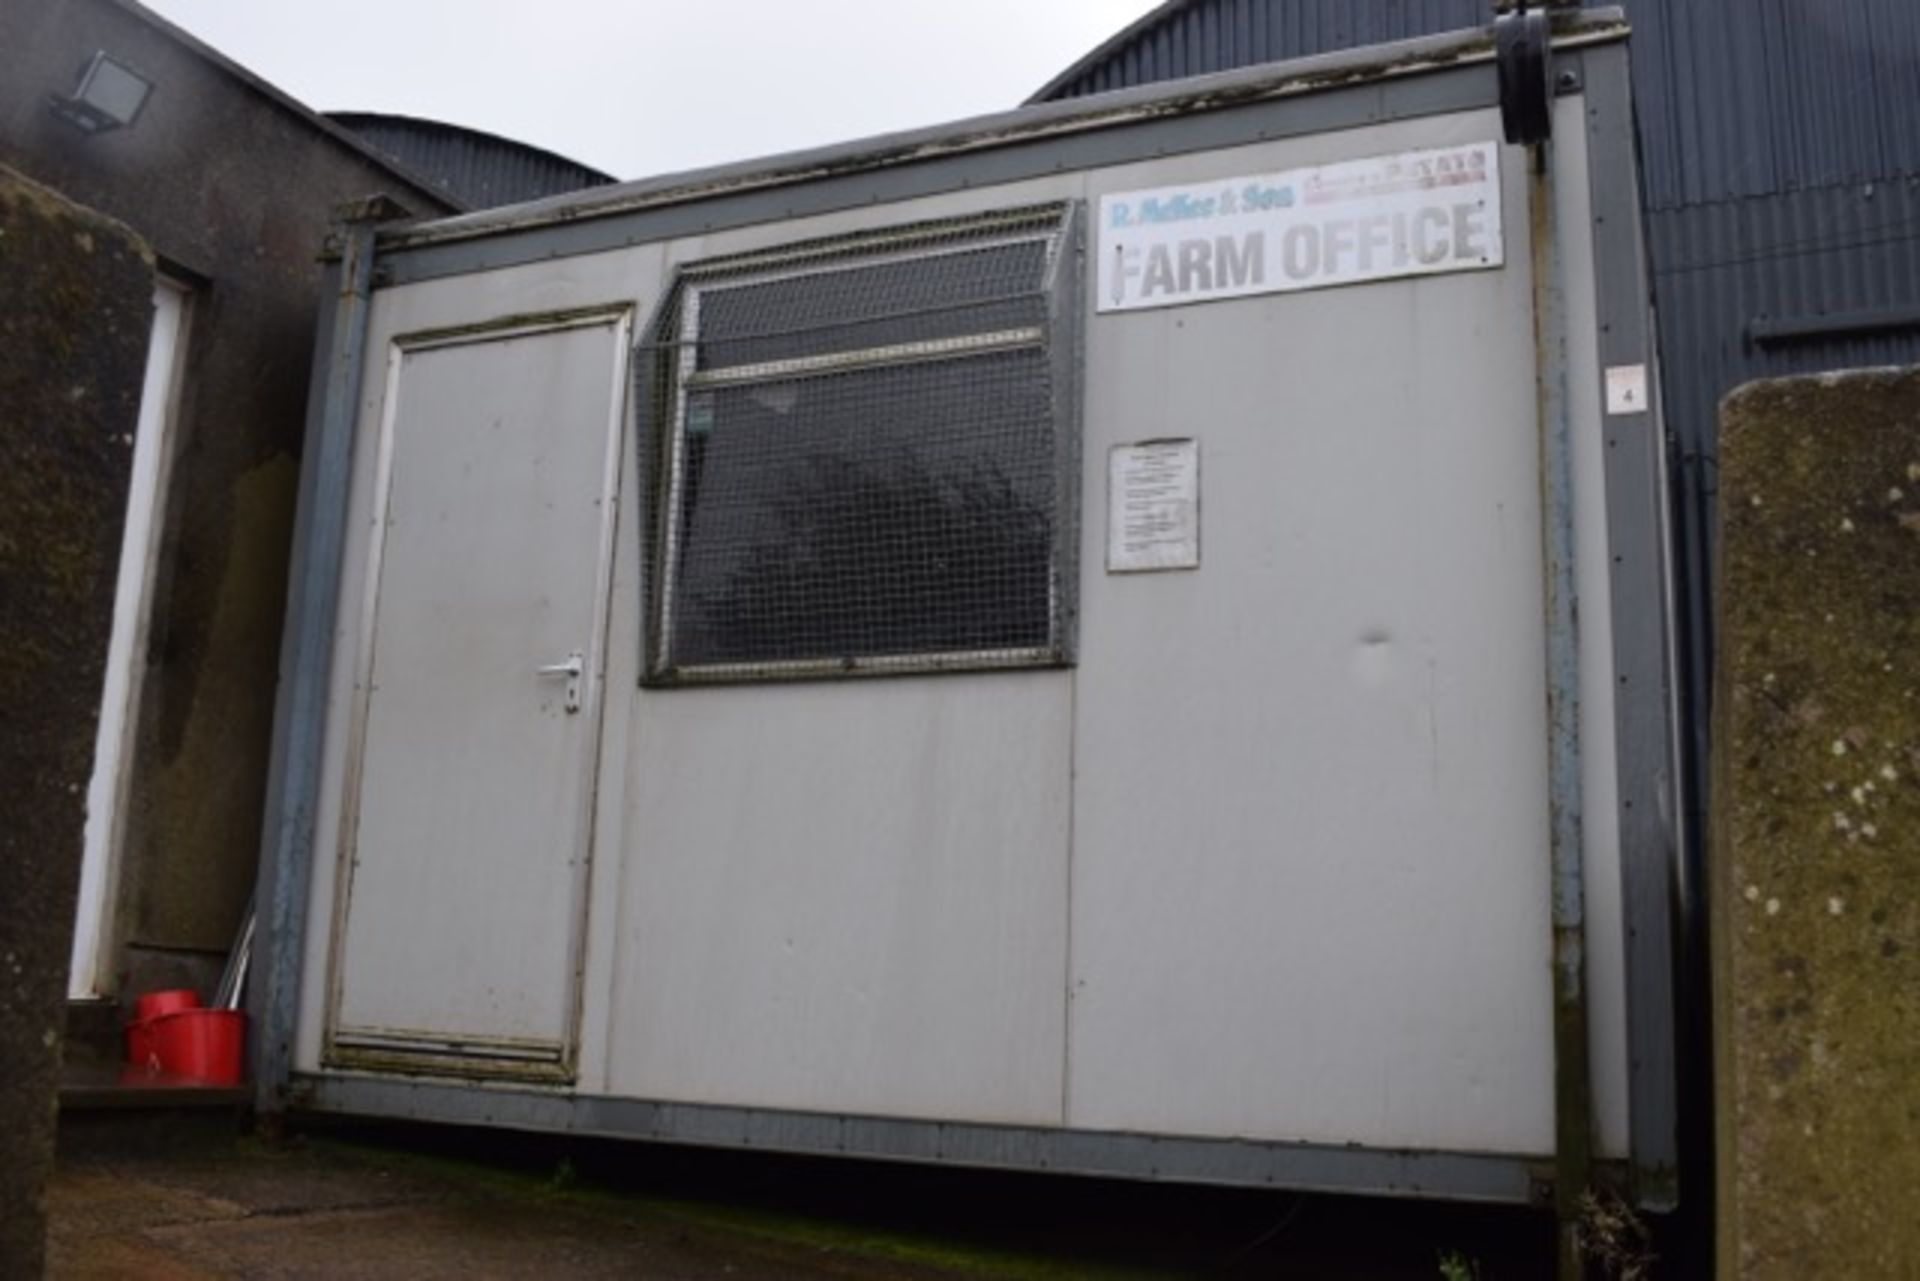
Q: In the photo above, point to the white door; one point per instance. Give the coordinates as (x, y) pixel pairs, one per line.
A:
(469, 832)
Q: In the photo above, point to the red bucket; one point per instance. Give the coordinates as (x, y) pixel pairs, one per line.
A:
(204, 1046)
(154, 1004)
(140, 1051)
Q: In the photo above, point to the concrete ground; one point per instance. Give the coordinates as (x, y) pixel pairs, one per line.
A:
(175, 1197)
(184, 1200)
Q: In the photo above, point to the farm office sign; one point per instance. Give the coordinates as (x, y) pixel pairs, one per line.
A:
(1419, 213)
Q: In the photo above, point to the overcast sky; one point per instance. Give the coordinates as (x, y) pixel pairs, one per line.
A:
(640, 87)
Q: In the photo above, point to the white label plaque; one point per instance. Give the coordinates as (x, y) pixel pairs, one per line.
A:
(1153, 506)
(1419, 213)
(1626, 389)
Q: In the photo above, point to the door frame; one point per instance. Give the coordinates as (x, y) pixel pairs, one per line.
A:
(156, 435)
(399, 1050)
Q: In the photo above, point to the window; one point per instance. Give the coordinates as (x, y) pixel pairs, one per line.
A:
(864, 455)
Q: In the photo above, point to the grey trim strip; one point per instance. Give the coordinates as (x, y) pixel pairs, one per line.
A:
(1496, 1177)
(306, 652)
(1644, 706)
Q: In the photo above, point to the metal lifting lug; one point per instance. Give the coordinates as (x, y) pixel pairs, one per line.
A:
(1523, 52)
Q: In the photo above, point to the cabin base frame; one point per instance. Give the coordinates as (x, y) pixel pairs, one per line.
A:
(1492, 1177)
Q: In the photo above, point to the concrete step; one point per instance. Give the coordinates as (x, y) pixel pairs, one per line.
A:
(94, 1074)
(96, 1086)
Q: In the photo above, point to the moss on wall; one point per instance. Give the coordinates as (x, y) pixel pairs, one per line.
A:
(195, 866)
(75, 311)
(1815, 858)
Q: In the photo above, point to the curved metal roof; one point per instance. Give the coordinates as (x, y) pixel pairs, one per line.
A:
(1737, 98)
(481, 170)
(1193, 37)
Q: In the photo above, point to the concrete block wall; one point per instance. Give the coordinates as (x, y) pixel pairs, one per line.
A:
(1815, 845)
(76, 295)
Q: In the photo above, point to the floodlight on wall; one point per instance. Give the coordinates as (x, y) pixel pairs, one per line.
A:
(108, 96)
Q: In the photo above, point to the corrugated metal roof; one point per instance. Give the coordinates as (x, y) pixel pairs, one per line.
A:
(1184, 38)
(1737, 97)
(481, 170)
(1748, 97)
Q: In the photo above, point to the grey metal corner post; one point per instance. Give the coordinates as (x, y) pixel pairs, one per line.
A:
(1660, 899)
(1525, 63)
(306, 647)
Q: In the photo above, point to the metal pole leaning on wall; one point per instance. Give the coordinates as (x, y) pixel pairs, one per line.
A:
(306, 648)
(1525, 62)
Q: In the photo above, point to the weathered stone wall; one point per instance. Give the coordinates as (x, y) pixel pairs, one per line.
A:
(1815, 851)
(75, 312)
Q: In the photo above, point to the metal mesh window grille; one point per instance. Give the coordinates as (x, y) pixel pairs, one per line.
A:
(863, 456)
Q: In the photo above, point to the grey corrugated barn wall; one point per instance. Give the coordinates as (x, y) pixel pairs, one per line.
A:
(1780, 154)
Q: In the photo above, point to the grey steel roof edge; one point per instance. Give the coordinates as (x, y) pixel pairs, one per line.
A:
(485, 135)
(284, 100)
(1106, 48)
(1215, 91)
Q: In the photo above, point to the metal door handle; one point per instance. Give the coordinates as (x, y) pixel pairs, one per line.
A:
(572, 669)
